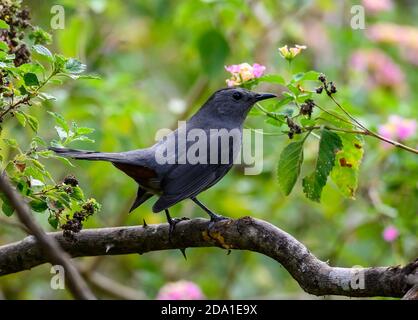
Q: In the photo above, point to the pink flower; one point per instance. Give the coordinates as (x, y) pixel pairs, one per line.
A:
(404, 37)
(390, 234)
(258, 70)
(233, 68)
(243, 72)
(398, 128)
(376, 6)
(180, 290)
(380, 69)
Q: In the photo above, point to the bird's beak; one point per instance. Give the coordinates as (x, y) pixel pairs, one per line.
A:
(264, 96)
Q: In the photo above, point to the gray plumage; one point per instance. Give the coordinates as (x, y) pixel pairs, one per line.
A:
(173, 182)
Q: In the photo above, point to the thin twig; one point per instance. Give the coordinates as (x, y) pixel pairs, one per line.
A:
(49, 245)
(369, 132)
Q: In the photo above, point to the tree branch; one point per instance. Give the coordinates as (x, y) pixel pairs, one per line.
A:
(48, 247)
(314, 276)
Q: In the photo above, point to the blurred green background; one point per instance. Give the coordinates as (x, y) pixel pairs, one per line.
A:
(158, 62)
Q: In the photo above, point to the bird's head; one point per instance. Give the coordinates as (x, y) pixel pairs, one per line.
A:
(234, 103)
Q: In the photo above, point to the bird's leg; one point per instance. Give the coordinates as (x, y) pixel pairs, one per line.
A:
(213, 216)
(172, 222)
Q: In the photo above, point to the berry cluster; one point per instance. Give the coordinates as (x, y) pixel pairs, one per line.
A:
(75, 224)
(329, 87)
(293, 128)
(18, 21)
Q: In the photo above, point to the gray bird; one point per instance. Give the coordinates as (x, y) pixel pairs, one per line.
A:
(179, 178)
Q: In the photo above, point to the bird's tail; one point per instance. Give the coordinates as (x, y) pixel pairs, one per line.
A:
(88, 155)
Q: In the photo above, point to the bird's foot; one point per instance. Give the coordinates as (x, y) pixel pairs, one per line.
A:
(172, 225)
(215, 218)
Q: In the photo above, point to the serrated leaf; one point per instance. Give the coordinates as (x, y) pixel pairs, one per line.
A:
(33, 122)
(43, 51)
(347, 164)
(46, 96)
(77, 194)
(38, 205)
(31, 79)
(329, 145)
(12, 143)
(289, 165)
(61, 133)
(74, 66)
(21, 118)
(64, 160)
(39, 140)
(60, 121)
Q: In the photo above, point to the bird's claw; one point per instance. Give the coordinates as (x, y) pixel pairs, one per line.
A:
(215, 218)
(172, 225)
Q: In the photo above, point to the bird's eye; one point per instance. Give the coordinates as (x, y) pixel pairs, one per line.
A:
(237, 95)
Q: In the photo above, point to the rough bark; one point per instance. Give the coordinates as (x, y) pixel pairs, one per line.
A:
(313, 275)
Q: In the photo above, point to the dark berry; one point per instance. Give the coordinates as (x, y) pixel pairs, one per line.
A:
(71, 180)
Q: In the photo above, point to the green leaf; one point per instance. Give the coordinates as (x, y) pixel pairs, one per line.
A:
(272, 78)
(60, 121)
(46, 96)
(6, 207)
(3, 46)
(4, 25)
(33, 122)
(347, 164)
(31, 67)
(213, 50)
(61, 133)
(298, 76)
(64, 160)
(38, 205)
(274, 122)
(305, 122)
(77, 194)
(83, 138)
(20, 116)
(329, 145)
(302, 76)
(11, 143)
(40, 49)
(74, 66)
(84, 130)
(283, 101)
(90, 77)
(31, 79)
(59, 62)
(53, 221)
(289, 165)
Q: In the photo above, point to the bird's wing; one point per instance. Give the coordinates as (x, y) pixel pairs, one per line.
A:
(186, 181)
